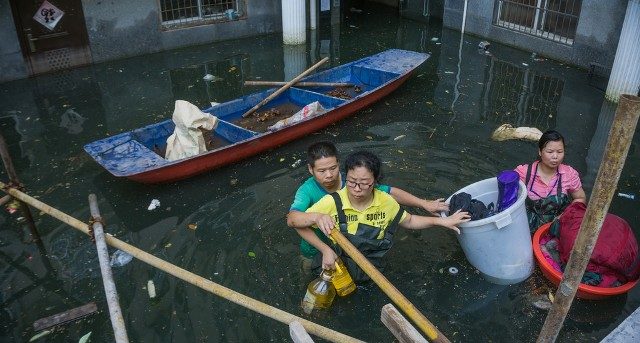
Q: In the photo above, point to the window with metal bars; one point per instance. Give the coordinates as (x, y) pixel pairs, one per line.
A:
(555, 20)
(180, 13)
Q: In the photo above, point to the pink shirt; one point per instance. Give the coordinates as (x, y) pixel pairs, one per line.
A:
(570, 181)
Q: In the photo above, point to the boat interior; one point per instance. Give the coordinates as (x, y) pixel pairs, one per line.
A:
(234, 128)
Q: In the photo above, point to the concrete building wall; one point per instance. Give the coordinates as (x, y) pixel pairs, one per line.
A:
(596, 38)
(122, 29)
(118, 29)
(11, 61)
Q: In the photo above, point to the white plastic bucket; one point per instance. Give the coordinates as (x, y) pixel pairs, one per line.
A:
(498, 246)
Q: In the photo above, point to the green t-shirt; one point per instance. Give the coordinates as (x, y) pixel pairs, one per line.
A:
(308, 194)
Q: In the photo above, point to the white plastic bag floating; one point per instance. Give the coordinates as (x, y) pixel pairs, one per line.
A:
(311, 110)
(153, 205)
(120, 258)
(187, 139)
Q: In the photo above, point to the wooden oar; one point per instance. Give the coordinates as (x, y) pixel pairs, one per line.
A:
(194, 279)
(285, 87)
(299, 84)
(433, 334)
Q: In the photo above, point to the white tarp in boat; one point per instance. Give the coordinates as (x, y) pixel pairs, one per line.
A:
(187, 138)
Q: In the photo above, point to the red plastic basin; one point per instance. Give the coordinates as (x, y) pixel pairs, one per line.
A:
(584, 291)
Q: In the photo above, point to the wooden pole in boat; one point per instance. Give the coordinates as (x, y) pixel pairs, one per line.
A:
(285, 87)
(111, 293)
(432, 333)
(299, 84)
(615, 153)
(194, 279)
(13, 180)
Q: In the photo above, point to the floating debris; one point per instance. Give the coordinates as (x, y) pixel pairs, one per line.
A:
(399, 137)
(119, 258)
(40, 335)
(296, 164)
(506, 131)
(542, 304)
(192, 226)
(155, 203)
(339, 92)
(85, 338)
(151, 289)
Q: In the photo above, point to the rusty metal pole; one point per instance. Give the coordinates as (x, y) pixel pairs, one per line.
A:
(13, 180)
(111, 293)
(624, 125)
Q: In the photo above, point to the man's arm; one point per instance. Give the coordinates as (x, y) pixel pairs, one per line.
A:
(328, 255)
(297, 219)
(407, 199)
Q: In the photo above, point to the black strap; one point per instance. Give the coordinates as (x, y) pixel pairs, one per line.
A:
(342, 218)
(391, 229)
(558, 185)
(559, 190)
(526, 182)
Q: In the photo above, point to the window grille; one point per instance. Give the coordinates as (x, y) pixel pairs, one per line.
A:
(520, 96)
(555, 20)
(180, 13)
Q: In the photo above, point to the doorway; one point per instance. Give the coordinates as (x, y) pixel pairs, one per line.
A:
(52, 34)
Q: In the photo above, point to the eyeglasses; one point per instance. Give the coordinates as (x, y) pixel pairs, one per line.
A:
(363, 186)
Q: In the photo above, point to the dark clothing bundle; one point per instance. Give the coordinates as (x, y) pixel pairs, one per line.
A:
(615, 257)
(477, 209)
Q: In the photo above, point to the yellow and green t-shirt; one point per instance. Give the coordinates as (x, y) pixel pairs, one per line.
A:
(380, 212)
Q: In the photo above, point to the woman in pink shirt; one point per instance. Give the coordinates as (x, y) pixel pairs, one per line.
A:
(551, 185)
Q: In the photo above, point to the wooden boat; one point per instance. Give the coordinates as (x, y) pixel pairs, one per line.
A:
(584, 291)
(138, 154)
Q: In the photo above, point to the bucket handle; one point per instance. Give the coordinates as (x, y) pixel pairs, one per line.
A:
(504, 221)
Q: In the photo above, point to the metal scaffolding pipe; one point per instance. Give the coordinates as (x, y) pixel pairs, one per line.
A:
(620, 136)
(294, 22)
(625, 73)
(111, 293)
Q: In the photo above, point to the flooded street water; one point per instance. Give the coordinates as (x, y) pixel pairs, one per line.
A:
(433, 135)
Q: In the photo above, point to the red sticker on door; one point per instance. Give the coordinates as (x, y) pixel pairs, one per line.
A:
(48, 15)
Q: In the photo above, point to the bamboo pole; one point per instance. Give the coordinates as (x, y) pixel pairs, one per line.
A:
(111, 293)
(285, 87)
(399, 326)
(615, 153)
(389, 289)
(299, 84)
(13, 178)
(5, 199)
(194, 279)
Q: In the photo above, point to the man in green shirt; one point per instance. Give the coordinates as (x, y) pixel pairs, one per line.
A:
(322, 159)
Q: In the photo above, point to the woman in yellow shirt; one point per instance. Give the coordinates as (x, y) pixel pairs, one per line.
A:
(365, 215)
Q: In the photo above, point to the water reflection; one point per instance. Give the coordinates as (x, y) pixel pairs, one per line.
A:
(427, 145)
